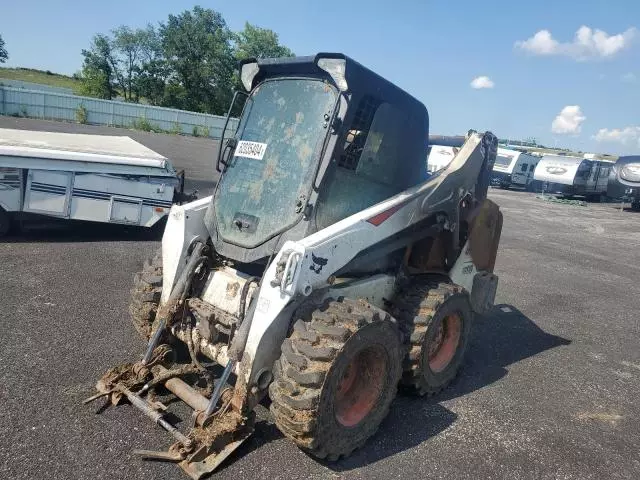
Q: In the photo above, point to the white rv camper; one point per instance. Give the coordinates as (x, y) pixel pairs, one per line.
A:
(624, 181)
(573, 176)
(513, 169)
(84, 177)
(439, 156)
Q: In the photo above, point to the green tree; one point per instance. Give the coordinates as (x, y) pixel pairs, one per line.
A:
(4, 55)
(152, 74)
(256, 42)
(95, 83)
(98, 69)
(198, 51)
(136, 50)
(127, 45)
(150, 81)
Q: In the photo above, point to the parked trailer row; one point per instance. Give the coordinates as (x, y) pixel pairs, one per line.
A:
(511, 169)
(572, 176)
(84, 177)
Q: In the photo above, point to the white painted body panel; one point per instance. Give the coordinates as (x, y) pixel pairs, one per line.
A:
(48, 192)
(10, 188)
(184, 225)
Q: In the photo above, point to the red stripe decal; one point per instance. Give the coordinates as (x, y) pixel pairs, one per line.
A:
(382, 217)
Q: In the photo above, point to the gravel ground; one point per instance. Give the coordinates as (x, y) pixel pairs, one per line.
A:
(549, 388)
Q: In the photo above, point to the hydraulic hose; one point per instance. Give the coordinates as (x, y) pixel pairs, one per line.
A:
(178, 293)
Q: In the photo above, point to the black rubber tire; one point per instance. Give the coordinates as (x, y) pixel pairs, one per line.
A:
(145, 295)
(313, 364)
(420, 309)
(5, 222)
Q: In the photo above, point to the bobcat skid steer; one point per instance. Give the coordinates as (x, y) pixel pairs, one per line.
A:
(327, 268)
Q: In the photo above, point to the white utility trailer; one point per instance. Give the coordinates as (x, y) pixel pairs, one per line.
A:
(513, 169)
(84, 177)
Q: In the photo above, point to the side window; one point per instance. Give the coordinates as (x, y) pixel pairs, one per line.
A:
(370, 169)
(358, 132)
(524, 167)
(584, 170)
(381, 160)
(532, 167)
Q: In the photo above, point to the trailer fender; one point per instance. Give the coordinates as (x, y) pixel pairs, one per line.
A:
(185, 224)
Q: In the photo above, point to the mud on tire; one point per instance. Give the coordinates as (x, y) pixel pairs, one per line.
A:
(336, 377)
(145, 295)
(435, 319)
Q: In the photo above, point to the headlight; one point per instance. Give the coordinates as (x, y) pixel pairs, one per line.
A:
(630, 172)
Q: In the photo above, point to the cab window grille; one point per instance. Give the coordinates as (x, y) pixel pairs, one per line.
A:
(357, 133)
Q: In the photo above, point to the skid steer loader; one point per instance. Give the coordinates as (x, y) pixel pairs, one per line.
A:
(327, 269)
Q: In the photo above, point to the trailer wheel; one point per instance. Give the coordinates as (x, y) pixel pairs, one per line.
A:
(435, 318)
(336, 378)
(5, 222)
(145, 295)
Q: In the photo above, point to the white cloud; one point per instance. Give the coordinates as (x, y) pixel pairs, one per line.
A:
(482, 82)
(624, 135)
(629, 77)
(568, 121)
(587, 43)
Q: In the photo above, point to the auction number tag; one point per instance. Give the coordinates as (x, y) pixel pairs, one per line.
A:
(250, 149)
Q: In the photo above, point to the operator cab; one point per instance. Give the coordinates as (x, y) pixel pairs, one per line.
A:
(319, 139)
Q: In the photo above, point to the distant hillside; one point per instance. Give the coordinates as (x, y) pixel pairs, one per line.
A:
(40, 76)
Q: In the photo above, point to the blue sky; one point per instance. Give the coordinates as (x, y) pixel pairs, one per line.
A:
(432, 49)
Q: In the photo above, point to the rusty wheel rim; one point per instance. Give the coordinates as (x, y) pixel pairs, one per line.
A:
(443, 346)
(361, 385)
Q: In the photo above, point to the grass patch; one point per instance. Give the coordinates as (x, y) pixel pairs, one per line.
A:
(39, 76)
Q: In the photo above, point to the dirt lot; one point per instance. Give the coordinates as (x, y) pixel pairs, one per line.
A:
(549, 389)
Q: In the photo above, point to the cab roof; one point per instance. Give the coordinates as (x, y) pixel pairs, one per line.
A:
(359, 78)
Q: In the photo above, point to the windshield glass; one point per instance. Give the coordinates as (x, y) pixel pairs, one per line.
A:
(281, 132)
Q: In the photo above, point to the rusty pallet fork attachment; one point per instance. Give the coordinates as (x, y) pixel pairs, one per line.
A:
(217, 431)
(213, 437)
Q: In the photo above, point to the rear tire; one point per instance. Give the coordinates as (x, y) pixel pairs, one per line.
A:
(435, 318)
(336, 378)
(5, 222)
(145, 295)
